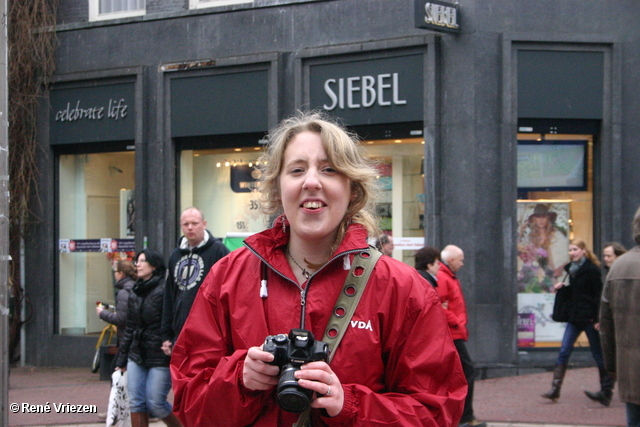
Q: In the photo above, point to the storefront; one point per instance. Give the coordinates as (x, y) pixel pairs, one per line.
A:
(381, 95)
(561, 99)
(507, 139)
(218, 139)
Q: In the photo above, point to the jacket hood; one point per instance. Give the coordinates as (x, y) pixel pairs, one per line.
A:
(125, 283)
(446, 269)
(183, 243)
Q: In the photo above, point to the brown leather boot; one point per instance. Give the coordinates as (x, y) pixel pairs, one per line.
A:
(172, 421)
(556, 384)
(139, 419)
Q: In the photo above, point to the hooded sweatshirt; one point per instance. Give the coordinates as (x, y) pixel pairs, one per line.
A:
(187, 269)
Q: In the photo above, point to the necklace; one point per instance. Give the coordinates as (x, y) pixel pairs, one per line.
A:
(305, 273)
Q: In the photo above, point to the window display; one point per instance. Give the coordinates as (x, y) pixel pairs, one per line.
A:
(555, 191)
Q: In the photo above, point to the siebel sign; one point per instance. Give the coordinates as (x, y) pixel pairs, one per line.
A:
(385, 89)
(437, 15)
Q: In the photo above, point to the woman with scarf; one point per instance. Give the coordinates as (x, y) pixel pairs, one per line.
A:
(140, 354)
(577, 302)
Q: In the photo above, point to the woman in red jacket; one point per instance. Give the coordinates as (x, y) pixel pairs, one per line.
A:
(396, 364)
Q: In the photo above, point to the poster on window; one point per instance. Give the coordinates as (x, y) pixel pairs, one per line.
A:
(127, 213)
(543, 251)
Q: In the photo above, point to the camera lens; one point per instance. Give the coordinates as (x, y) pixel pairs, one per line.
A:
(292, 397)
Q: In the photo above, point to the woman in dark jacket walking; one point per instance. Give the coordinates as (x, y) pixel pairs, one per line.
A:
(577, 302)
(141, 352)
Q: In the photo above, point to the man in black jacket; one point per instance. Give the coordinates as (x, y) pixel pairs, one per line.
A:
(189, 264)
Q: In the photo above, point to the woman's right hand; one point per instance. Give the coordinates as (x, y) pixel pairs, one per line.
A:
(558, 286)
(123, 369)
(257, 374)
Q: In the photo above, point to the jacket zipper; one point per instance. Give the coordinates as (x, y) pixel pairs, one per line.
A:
(303, 291)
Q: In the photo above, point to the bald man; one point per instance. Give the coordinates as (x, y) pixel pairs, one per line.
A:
(450, 293)
(189, 264)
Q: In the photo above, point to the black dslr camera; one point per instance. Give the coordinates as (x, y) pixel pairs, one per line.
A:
(291, 352)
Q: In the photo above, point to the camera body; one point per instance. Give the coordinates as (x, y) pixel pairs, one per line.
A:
(290, 352)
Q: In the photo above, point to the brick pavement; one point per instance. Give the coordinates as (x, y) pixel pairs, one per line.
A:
(503, 402)
(517, 399)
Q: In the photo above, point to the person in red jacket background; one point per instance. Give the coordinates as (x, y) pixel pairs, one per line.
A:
(450, 293)
(396, 364)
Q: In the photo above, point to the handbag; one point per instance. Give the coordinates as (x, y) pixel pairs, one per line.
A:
(562, 304)
(118, 412)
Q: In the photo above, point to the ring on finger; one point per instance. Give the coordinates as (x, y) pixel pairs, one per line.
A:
(328, 391)
(330, 379)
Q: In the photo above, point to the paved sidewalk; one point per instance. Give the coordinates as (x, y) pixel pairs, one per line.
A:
(503, 402)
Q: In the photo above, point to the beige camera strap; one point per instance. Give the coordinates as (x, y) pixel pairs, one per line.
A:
(346, 304)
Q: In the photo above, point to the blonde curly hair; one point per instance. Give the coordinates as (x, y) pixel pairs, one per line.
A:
(345, 154)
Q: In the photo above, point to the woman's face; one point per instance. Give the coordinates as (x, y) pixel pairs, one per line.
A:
(143, 268)
(576, 253)
(118, 275)
(433, 268)
(540, 221)
(314, 195)
(609, 256)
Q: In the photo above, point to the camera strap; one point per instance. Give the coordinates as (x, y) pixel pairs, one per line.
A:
(352, 290)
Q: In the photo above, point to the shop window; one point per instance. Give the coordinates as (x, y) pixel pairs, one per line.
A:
(555, 205)
(113, 9)
(217, 178)
(96, 228)
(197, 4)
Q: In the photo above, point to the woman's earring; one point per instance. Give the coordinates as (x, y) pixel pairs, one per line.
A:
(284, 224)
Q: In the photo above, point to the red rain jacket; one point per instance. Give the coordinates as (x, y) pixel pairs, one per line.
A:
(449, 290)
(397, 363)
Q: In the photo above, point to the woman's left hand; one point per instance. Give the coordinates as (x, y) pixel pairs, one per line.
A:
(319, 377)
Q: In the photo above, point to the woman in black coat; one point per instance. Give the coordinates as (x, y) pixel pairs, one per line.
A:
(577, 302)
(141, 352)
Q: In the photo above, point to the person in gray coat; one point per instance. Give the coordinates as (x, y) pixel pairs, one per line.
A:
(125, 275)
(620, 326)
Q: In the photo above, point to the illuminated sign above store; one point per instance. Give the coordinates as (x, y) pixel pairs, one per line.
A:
(437, 15)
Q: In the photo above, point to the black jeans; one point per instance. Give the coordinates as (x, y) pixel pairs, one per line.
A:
(469, 373)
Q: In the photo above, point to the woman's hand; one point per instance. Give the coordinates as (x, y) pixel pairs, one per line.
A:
(558, 286)
(99, 309)
(319, 377)
(256, 373)
(167, 347)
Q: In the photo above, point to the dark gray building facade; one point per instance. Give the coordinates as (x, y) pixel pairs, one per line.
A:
(147, 107)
